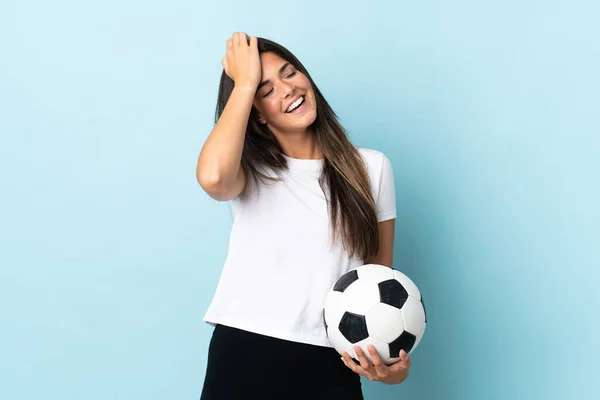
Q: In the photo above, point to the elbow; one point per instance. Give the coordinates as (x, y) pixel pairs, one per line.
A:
(214, 187)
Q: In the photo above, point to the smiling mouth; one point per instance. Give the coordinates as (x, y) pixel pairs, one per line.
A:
(298, 105)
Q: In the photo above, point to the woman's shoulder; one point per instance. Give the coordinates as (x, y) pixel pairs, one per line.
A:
(373, 158)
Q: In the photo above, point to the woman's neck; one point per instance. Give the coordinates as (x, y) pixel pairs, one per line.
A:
(300, 146)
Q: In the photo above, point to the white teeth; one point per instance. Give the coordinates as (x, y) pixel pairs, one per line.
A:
(295, 104)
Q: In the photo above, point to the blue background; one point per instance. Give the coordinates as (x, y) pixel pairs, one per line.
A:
(110, 250)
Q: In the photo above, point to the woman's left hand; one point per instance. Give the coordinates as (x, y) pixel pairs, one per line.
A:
(377, 371)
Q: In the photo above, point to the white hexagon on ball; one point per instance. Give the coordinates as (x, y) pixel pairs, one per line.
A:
(385, 322)
(361, 296)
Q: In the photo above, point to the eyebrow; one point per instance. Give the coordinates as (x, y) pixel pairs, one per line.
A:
(280, 72)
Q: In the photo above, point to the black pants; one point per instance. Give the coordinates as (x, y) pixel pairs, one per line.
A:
(247, 366)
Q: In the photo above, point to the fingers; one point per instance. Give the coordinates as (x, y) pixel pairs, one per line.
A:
(240, 38)
(242, 59)
(364, 362)
(375, 368)
(405, 357)
(232, 42)
(364, 368)
(377, 363)
(403, 363)
(349, 362)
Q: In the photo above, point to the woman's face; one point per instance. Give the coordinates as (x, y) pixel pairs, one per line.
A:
(283, 87)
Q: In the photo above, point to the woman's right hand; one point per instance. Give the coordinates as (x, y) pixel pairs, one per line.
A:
(242, 60)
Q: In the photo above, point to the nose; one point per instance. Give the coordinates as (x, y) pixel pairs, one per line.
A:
(286, 89)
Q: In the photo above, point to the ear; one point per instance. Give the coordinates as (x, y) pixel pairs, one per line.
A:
(261, 119)
(257, 115)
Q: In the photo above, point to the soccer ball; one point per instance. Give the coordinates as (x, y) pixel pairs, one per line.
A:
(377, 305)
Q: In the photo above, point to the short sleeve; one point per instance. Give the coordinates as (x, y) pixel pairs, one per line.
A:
(386, 196)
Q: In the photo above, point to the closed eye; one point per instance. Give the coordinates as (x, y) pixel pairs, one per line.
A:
(287, 77)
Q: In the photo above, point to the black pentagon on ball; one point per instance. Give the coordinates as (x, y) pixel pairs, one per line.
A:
(345, 280)
(393, 293)
(353, 327)
(424, 310)
(405, 342)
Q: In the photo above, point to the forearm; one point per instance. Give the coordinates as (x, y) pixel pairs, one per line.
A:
(220, 157)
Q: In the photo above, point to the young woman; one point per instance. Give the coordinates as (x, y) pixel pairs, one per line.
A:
(308, 206)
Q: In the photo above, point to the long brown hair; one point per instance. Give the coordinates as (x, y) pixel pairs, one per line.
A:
(351, 204)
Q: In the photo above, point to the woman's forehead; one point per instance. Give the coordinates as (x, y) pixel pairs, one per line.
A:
(271, 62)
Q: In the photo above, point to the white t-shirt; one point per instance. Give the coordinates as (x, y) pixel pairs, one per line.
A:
(280, 262)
